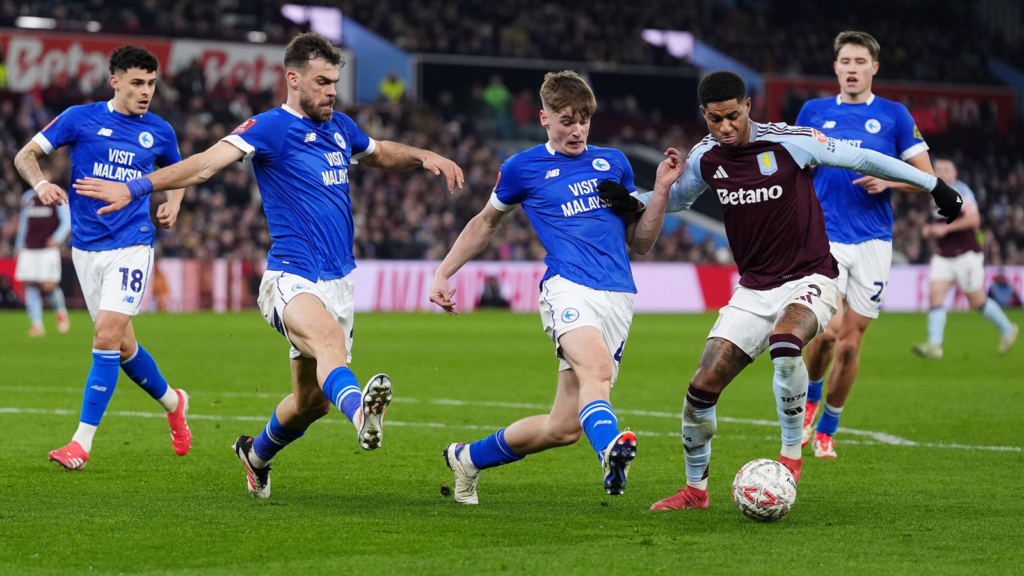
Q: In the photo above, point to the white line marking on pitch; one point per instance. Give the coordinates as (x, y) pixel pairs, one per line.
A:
(875, 437)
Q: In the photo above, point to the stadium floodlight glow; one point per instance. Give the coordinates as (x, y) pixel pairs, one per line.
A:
(323, 20)
(92, 26)
(35, 22)
(678, 43)
(257, 37)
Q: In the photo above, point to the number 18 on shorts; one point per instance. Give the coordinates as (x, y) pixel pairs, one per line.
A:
(114, 280)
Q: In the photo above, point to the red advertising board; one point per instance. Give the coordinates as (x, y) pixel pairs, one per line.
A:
(935, 107)
(37, 60)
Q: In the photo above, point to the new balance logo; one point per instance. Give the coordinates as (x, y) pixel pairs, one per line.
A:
(829, 124)
(551, 174)
(105, 132)
(310, 137)
(720, 173)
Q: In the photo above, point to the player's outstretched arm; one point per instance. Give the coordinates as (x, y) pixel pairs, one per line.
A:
(471, 241)
(831, 152)
(194, 170)
(394, 156)
(644, 234)
(875, 185)
(27, 163)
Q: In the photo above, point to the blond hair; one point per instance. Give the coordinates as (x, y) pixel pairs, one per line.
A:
(567, 90)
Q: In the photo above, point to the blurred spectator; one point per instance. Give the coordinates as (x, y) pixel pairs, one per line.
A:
(392, 87)
(1003, 293)
(491, 297)
(497, 97)
(8, 297)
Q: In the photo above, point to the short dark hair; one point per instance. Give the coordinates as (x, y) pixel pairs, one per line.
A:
(310, 46)
(858, 39)
(567, 90)
(128, 57)
(721, 86)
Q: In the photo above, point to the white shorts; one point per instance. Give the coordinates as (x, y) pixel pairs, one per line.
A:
(749, 318)
(967, 270)
(864, 274)
(278, 288)
(114, 280)
(566, 306)
(38, 265)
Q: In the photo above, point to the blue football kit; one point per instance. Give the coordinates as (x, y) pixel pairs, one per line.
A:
(852, 215)
(104, 143)
(585, 240)
(302, 171)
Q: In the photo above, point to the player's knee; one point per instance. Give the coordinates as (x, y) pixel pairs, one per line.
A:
(107, 337)
(707, 381)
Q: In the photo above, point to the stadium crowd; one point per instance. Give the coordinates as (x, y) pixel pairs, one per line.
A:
(948, 42)
(409, 216)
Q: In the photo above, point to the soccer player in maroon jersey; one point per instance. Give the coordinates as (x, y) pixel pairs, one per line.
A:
(960, 261)
(776, 228)
(41, 231)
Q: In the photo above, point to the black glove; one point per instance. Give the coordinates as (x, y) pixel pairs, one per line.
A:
(948, 200)
(617, 197)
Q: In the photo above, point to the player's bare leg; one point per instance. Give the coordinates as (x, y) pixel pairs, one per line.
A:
(818, 356)
(719, 364)
(317, 334)
(586, 352)
(533, 434)
(840, 380)
(55, 295)
(936, 321)
(796, 326)
(560, 427)
(34, 307)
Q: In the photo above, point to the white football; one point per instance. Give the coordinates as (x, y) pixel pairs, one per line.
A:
(764, 490)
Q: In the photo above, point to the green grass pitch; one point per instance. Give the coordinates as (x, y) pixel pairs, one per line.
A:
(922, 495)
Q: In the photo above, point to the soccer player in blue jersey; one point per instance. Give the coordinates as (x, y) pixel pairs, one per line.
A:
(858, 218)
(114, 141)
(301, 154)
(586, 299)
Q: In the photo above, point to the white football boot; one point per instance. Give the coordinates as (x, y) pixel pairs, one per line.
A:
(376, 397)
(465, 483)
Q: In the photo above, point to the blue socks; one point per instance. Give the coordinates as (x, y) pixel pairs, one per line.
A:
(814, 390)
(599, 424)
(99, 386)
(937, 325)
(996, 316)
(343, 391)
(142, 370)
(492, 451)
(34, 305)
(273, 438)
(829, 421)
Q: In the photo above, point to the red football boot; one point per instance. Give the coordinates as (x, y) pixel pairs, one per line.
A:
(181, 436)
(71, 457)
(810, 411)
(688, 497)
(793, 465)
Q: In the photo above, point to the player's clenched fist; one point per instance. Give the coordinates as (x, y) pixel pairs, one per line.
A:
(617, 197)
(440, 295)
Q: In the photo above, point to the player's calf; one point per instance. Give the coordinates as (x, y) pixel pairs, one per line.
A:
(466, 461)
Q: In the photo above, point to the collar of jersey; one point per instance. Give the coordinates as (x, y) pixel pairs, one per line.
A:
(552, 151)
(110, 107)
(839, 101)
